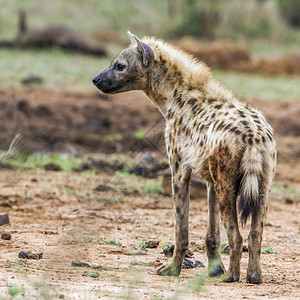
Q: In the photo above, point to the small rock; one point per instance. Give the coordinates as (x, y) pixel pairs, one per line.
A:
(152, 244)
(61, 296)
(93, 274)
(6, 236)
(225, 249)
(189, 253)
(115, 252)
(52, 167)
(103, 188)
(30, 255)
(32, 79)
(188, 264)
(168, 251)
(83, 167)
(140, 263)
(4, 219)
(289, 201)
(77, 263)
(136, 253)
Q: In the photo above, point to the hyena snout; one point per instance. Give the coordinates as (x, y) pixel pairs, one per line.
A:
(104, 83)
(96, 79)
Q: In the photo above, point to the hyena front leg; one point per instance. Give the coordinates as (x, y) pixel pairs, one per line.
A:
(180, 181)
(212, 240)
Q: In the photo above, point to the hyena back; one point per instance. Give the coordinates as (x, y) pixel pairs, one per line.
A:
(209, 132)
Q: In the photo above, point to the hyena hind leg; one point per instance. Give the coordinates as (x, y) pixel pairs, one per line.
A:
(212, 240)
(254, 274)
(229, 216)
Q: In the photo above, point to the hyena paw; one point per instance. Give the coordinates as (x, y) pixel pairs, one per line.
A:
(230, 277)
(170, 270)
(255, 278)
(215, 270)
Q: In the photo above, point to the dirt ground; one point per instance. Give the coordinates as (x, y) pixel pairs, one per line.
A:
(61, 214)
(66, 221)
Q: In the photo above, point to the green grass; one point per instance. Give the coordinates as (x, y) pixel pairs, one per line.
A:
(283, 88)
(139, 135)
(88, 239)
(113, 242)
(166, 245)
(266, 250)
(141, 245)
(59, 69)
(15, 290)
(150, 188)
(68, 163)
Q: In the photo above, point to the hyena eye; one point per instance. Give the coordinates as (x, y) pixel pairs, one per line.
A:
(120, 67)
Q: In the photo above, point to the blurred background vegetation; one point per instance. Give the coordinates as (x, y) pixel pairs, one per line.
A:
(266, 28)
(234, 19)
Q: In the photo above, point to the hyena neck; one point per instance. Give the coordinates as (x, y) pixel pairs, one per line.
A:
(173, 72)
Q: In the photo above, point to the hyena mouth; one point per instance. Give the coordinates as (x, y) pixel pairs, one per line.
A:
(111, 89)
(105, 88)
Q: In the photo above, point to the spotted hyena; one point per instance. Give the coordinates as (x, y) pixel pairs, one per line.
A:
(209, 132)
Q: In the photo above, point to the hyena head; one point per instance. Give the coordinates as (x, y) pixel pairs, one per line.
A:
(128, 71)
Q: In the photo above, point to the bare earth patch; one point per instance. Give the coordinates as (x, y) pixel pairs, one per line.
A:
(59, 214)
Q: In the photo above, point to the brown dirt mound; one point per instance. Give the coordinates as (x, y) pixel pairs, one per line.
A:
(67, 121)
(228, 56)
(221, 55)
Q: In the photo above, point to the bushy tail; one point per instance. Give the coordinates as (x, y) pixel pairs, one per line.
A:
(251, 174)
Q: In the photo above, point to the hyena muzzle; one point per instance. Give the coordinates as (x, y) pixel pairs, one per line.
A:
(209, 132)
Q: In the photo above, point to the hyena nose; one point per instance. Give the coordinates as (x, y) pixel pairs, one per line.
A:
(96, 79)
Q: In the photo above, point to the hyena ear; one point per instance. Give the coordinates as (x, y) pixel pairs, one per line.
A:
(143, 48)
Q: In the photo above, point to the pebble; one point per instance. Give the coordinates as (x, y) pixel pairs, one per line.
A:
(152, 244)
(136, 253)
(77, 263)
(6, 236)
(52, 167)
(30, 255)
(4, 219)
(93, 274)
(188, 264)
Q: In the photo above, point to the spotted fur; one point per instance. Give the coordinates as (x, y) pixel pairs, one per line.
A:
(208, 132)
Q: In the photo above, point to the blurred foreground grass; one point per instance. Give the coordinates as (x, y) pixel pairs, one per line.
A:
(73, 72)
(32, 162)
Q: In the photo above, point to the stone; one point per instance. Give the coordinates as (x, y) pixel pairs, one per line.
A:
(6, 236)
(4, 220)
(52, 167)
